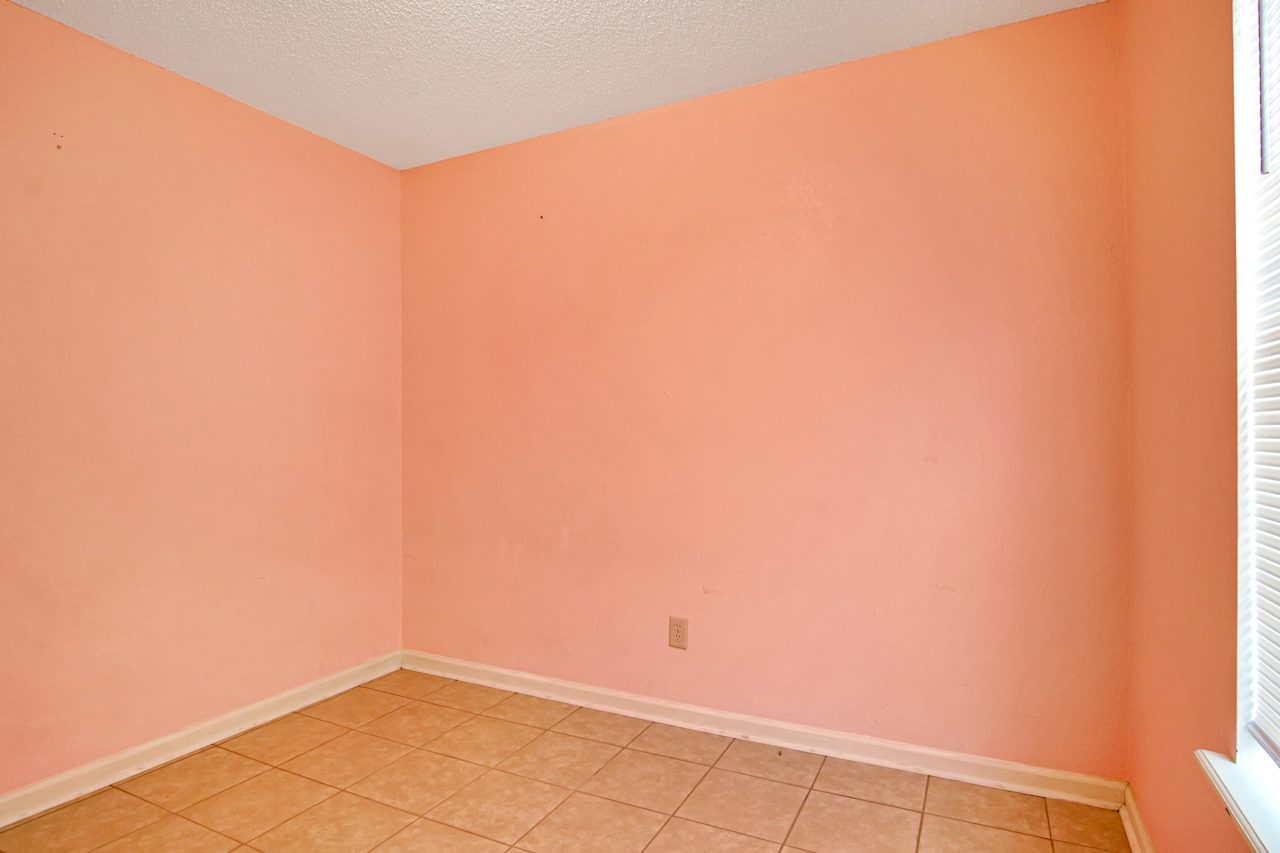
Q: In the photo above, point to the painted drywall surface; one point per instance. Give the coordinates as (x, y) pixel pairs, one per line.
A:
(833, 366)
(1181, 273)
(199, 402)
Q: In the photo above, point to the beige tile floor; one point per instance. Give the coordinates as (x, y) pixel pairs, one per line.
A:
(411, 762)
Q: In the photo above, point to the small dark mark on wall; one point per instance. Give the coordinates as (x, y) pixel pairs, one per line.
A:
(57, 135)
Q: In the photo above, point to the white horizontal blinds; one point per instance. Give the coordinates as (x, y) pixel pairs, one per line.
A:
(1269, 79)
(1261, 411)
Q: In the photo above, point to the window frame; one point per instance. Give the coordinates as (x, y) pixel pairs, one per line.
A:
(1249, 781)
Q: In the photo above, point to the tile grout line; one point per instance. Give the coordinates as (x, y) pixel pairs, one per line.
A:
(682, 817)
(276, 826)
(335, 792)
(683, 800)
(111, 841)
(764, 779)
(1048, 823)
(414, 817)
(425, 819)
(989, 826)
(578, 789)
(923, 805)
(290, 758)
(1000, 828)
(181, 758)
(508, 844)
(270, 767)
(804, 802)
(154, 822)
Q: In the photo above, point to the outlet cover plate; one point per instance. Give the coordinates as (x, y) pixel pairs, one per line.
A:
(678, 632)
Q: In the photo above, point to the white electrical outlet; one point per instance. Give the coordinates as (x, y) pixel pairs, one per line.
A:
(678, 632)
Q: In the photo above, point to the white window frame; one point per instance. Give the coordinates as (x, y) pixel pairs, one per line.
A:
(1249, 782)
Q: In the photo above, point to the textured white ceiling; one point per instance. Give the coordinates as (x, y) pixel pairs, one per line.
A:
(412, 81)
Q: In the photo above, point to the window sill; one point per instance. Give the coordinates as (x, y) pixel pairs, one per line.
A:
(1250, 787)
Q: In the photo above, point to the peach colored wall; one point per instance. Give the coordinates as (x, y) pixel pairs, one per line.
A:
(199, 402)
(1181, 248)
(834, 366)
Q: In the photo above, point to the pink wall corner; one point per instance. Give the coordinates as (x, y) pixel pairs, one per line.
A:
(200, 428)
(878, 313)
(834, 366)
(1177, 76)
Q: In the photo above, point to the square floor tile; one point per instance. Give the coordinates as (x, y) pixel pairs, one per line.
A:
(684, 836)
(407, 683)
(744, 804)
(418, 782)
(468, 697)
(285, 738)
(987, 806)
(483, 740)
(355, 707)
(646, 780)
(868, 782)
(173, 834)
(417, 723)
(531, 711)
(346, 760)
(189, 780)
(602, 726)
(584, 824)
(685, 744)
(425, 836)
(1086, 825)
(560, 759)
(82, 825)
(833, 824)
(344, 823)
(258, 804)
(499, 806)
(943, 835)
(771, 762)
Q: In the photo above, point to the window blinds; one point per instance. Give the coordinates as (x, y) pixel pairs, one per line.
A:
(1258, 181)
(1269, 83)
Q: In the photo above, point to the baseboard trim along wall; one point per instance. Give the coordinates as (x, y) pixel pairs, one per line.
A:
(47, 793)
(1024, 778)
(1134, 828)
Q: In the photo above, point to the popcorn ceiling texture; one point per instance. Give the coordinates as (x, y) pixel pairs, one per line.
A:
(410, 81)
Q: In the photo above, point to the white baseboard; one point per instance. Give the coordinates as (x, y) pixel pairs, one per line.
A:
(1024, 778)
(55, 790)
(1134, 828)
